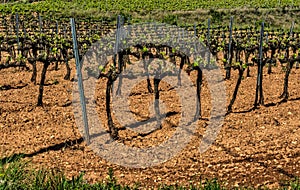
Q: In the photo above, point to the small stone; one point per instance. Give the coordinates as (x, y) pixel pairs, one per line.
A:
(25, 120)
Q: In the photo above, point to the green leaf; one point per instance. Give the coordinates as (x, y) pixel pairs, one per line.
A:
(237, 63)
(54, 50)
(295, 55)
(101, 68)
(85, 46)
(145, 49)
(196, 64)
(220, 48)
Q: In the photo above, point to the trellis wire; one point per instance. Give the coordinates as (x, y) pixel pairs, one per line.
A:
(208, 39)
(65, 31)
(57, 30)
(40, 24)
(290, 35)
(292, 28)
(229, 48)
(261, 48)
(5, 26)
(24, 28)
(230, 37)
(17, 31)
(117, 40)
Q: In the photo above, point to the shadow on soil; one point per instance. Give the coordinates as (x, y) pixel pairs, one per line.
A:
(55, 147)
(267, 105)
(258, 159)
(9, 87)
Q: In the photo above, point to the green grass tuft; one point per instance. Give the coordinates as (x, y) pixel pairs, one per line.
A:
(14, 175)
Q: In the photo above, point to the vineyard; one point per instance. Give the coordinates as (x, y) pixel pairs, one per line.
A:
(277, 13)
(258, 144)
(27, 40)
(56, 6)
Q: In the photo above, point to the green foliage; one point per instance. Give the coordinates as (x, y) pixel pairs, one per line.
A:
(294, 55)
(15, 175)
(295, 184)
(20, 58)
(220, 48)
(101, 68)
(170, 19)
(82, 7)
(212, 185)
(54, 50)
(217, 16)
(173, 50)
(195, 64)
(145, 49)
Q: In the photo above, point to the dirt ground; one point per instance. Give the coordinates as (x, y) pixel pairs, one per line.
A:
(254, 148)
